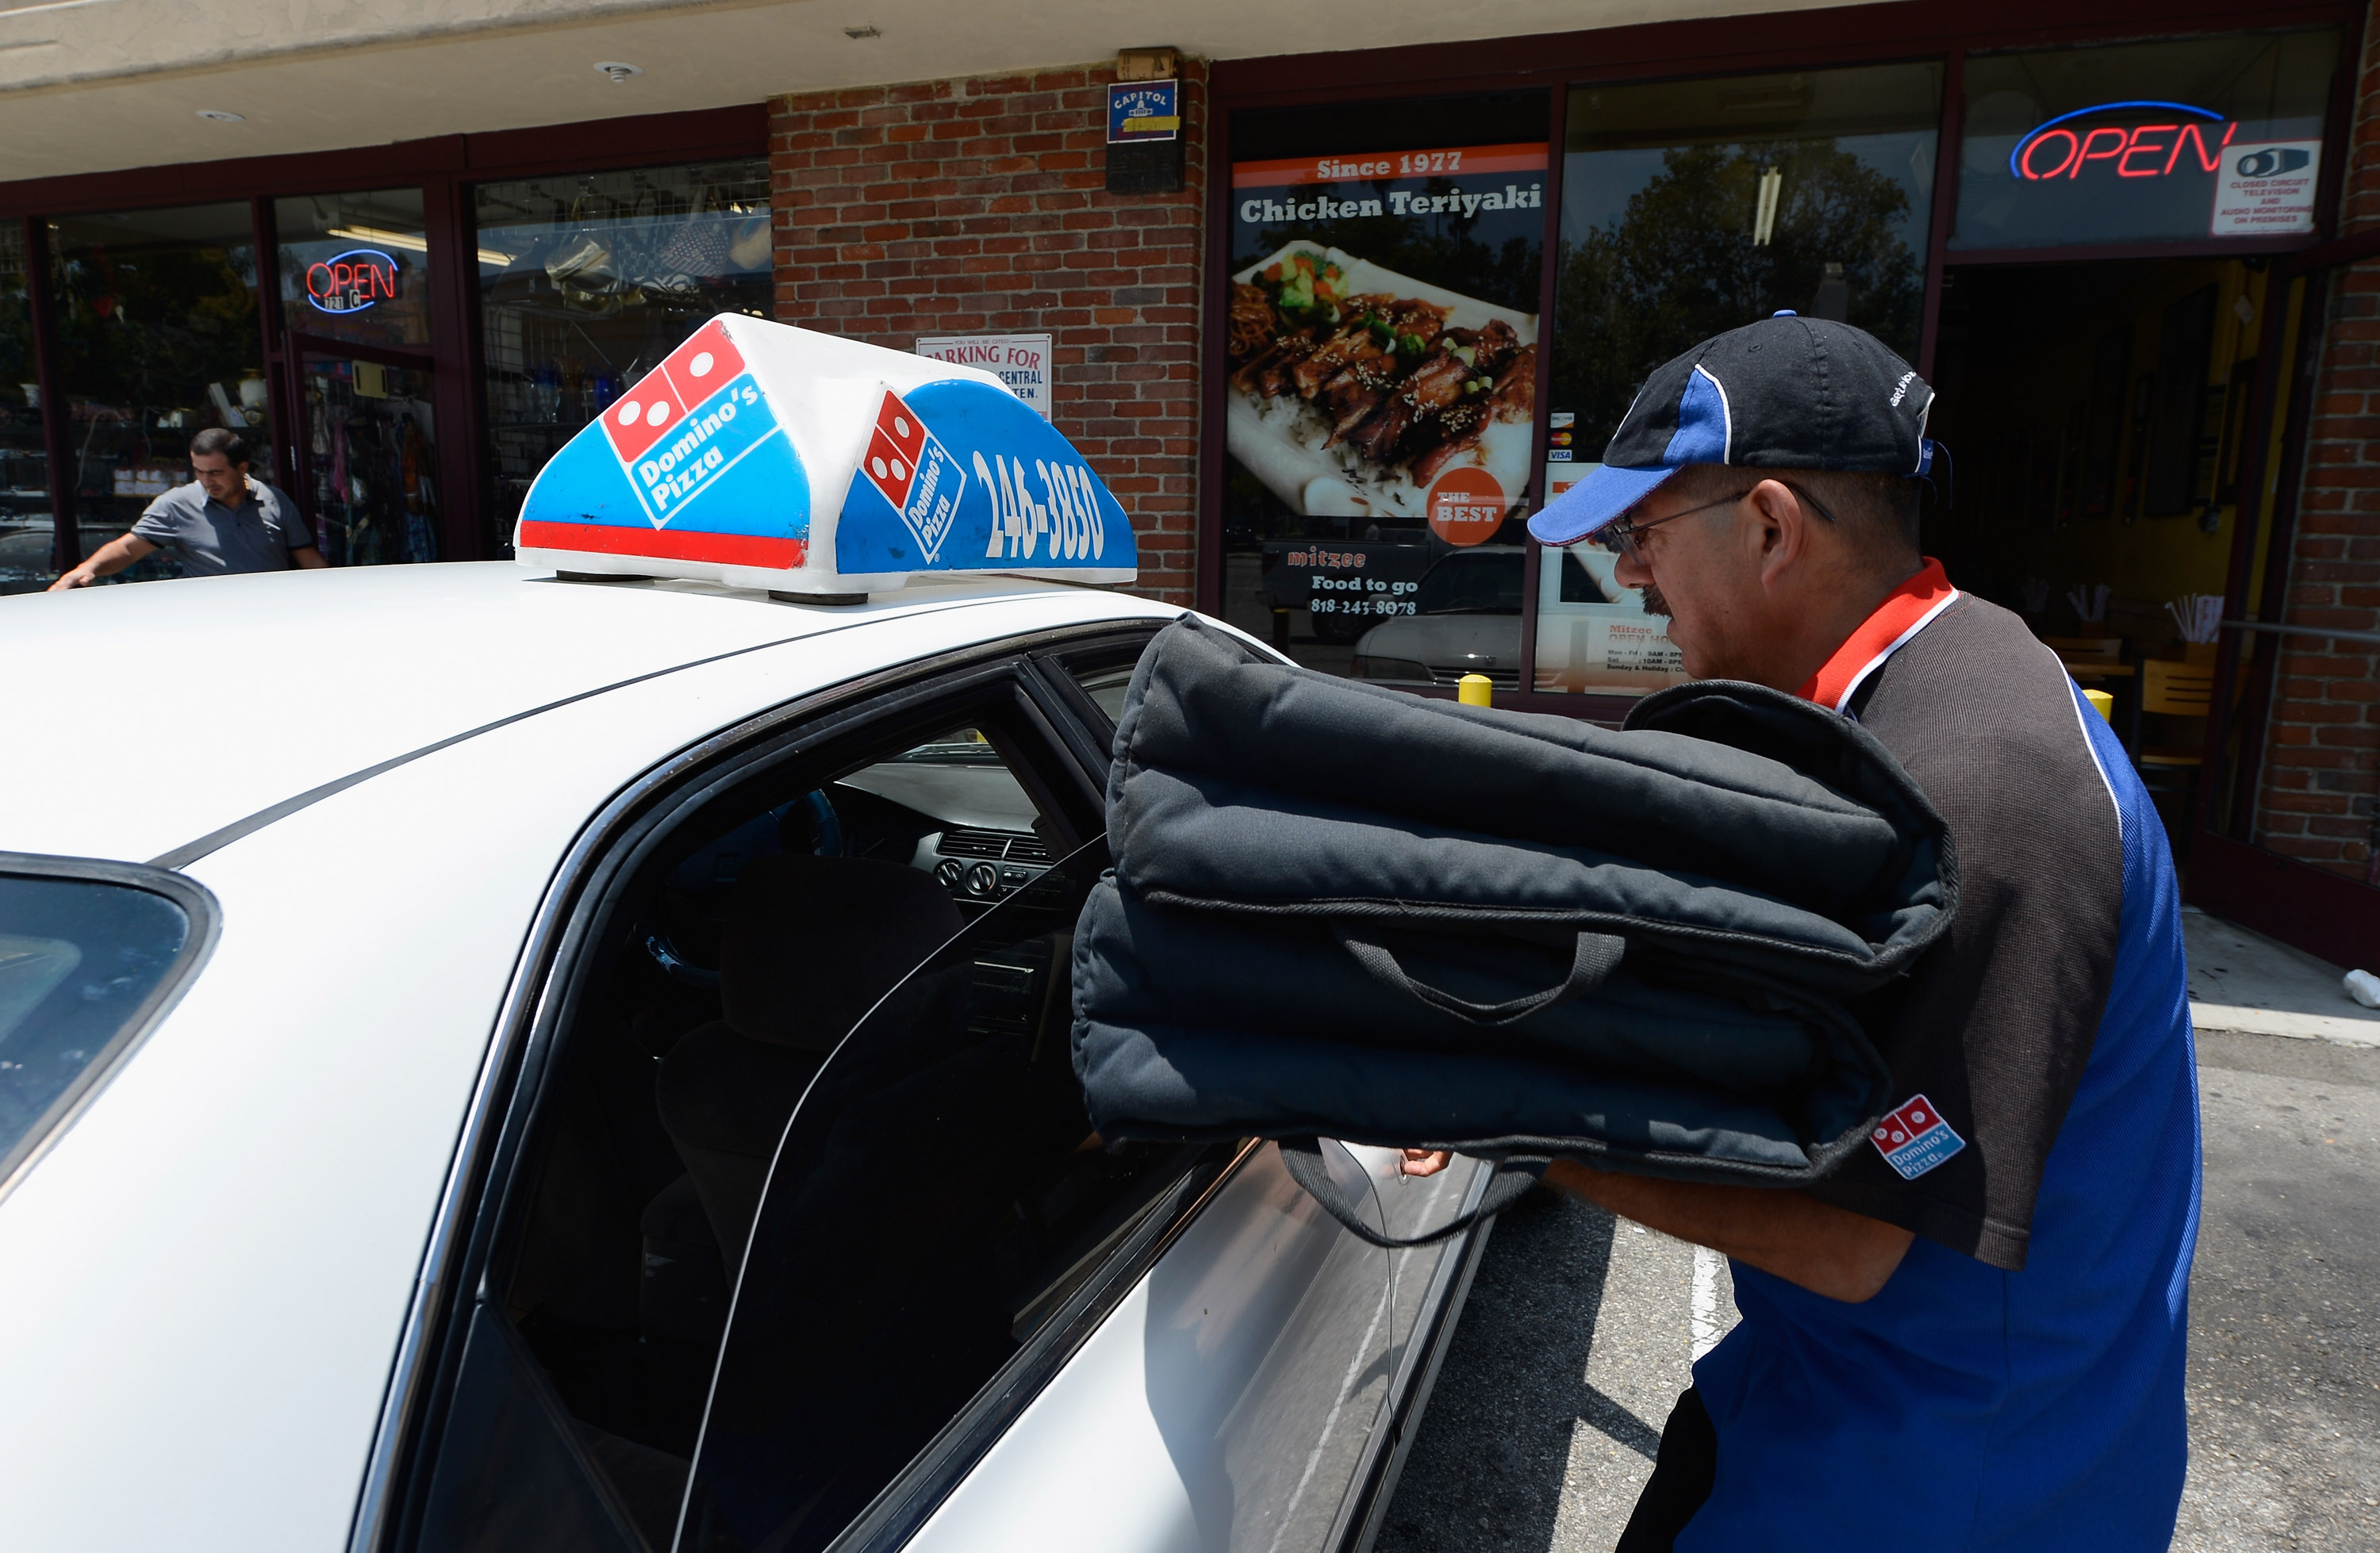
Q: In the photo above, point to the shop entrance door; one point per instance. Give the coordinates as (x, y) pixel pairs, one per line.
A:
(2097, 410)
(367, 453)
(2138, 477)
(2288, 828)
(358, 349)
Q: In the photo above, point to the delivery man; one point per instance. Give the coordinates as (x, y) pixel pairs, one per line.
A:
(1972, 1335)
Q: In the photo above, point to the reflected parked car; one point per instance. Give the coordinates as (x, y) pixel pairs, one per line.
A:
(1466, 616)
(1466, 620)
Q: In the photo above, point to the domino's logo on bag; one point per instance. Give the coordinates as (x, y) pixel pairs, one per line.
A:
(909, 468)
(1914, 1139)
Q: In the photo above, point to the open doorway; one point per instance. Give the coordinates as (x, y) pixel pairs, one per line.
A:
(2096, 412)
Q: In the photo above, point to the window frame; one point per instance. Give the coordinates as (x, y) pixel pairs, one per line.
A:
(1086, 720)
(448, 168)
(493, 1167)
(195, 902)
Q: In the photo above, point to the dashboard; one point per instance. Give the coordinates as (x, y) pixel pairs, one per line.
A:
(985, 847)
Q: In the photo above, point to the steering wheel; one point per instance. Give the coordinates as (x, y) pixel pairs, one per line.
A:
(811, 826)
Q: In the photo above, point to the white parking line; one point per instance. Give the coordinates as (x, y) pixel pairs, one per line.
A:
(1355, 1367)
(1703, 1311)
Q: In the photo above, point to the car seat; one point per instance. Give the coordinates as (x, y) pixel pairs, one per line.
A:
(808, 946)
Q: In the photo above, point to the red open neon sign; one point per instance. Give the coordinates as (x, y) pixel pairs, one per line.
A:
(353, 281)
(2059, 149)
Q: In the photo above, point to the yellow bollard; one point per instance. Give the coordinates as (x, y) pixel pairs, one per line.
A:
(1475, 690)
(2104, 703)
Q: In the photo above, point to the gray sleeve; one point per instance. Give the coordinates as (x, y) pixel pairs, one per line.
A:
(160, 523)
(294, 529)
(1995, 1024)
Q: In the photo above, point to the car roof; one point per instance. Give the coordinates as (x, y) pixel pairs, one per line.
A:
(148, 717)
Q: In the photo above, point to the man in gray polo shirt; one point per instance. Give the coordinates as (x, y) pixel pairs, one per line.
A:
(222, 522)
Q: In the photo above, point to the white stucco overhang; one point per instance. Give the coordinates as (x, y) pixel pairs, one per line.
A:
(96, 85)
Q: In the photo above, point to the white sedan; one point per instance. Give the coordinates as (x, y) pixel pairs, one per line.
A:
(427, 1119)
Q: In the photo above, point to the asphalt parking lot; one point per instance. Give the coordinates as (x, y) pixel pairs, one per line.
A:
(1580, 1331)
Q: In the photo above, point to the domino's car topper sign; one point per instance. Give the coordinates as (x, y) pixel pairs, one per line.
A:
(762, 455)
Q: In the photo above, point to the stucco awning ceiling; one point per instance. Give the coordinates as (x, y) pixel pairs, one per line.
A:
(95, 85)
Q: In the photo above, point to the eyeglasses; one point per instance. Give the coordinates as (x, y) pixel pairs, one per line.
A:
(1621, 536)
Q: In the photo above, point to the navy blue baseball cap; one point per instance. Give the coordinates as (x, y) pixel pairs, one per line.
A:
(1787, 393)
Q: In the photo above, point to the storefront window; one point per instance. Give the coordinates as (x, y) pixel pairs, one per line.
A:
(1382, 349)
(159, 339)
(587, 282)
(1694, 207)
(2182, 140)
(355, 267)
(24, 470)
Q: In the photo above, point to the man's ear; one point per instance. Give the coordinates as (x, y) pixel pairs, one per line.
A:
(1784, 529)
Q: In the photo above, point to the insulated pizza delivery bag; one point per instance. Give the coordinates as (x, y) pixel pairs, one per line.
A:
(1342, 911)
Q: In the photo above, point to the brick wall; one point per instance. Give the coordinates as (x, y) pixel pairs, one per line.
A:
(959, 206)
(2321, 762)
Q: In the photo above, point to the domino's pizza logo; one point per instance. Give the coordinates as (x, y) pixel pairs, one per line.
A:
(688, 422)
(1914, 1139)
(910, 469)
(960, 476)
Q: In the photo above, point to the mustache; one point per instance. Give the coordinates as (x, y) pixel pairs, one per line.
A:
(1654, 602)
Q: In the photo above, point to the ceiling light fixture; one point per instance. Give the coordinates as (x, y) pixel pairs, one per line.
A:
(863, 33)
(217, 116)
(616, 71)
(411, 242)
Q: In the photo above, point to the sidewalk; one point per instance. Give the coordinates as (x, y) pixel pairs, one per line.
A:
(2244, 983)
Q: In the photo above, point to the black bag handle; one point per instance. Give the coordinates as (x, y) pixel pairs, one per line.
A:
(1515, 1173)
(1598, 956)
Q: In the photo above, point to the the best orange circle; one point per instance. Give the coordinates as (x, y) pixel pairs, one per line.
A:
(1466, 507)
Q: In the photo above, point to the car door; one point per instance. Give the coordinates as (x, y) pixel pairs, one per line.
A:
(557, 1402)
(1092, 678)
(938, 1238)
(1183, 1350)
(942, 1232)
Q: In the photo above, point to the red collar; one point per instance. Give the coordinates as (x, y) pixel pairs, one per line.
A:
(1906, 611)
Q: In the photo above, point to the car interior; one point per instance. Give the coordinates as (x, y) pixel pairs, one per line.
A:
(963, 1189)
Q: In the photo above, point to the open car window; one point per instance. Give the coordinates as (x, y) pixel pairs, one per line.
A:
(1106, 688)
(741, 943)
(952, 804)
(939, 1201)
(1097, 675)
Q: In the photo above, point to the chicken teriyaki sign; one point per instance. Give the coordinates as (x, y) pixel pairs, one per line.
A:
(1382, 342)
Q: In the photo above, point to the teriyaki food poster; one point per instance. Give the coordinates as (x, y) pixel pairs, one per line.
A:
(1382, 343)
